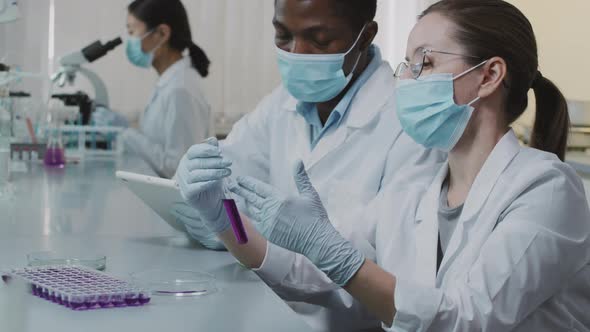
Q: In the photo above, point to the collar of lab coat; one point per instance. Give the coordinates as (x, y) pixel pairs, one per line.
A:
(368, 101)
(506, 149)
(172, 71)
(426, 230)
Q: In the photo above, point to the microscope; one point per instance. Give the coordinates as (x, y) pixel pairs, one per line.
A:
(71, 66)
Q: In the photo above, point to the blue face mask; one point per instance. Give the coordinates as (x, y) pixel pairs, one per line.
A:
(135, 53)
(315, 78)
(427, 111)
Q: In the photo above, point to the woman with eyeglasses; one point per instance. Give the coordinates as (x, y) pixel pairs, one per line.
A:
(500, 239)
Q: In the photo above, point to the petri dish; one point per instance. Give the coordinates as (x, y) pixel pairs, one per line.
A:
(176, 283)
(39, 258)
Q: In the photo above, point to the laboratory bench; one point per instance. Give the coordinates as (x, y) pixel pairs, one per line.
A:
(83, 208)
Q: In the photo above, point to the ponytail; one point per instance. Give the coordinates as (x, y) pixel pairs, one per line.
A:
(199, 59)
(552, 122)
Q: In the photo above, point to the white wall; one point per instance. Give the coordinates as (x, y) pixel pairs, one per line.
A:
(562, 32)
(396, 19)
(563, 38)
(24, 42)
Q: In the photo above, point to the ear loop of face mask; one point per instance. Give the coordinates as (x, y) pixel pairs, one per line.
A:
(130, 36)
(360, 53)
(467, 72)
(147, 34)
(347, 52)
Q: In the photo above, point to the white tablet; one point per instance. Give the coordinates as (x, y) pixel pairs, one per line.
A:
(157, 193)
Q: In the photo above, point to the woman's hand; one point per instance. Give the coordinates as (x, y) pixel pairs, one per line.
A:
(300, 224)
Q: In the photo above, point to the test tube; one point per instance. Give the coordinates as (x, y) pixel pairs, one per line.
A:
(234, 215)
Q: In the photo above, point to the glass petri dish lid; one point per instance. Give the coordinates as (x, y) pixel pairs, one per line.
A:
(94, 261)
(176, 283)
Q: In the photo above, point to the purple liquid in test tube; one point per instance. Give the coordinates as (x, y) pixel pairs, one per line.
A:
(236, 221)
(234, 215)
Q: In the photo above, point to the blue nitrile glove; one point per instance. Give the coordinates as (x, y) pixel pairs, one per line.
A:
(300, 224)
(195, 227)
(200, 177)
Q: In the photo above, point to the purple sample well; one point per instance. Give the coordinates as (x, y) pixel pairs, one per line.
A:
(143, 299)
(132, 299)
(77, 304)
(118, 300)
(103, 300)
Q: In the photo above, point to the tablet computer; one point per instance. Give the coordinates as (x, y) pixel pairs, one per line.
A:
(157, 193)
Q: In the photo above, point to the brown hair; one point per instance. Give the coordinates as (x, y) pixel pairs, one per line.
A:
(489, 28)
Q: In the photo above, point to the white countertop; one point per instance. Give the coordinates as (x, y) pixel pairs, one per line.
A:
(580, 161)
(586, 180)
(82, 208)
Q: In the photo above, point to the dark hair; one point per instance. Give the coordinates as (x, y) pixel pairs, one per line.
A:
(359, 12)
(173, 14)
(489, 28)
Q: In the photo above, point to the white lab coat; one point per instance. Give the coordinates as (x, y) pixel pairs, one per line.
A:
(176, 117)
(348, 167)
(517, 261)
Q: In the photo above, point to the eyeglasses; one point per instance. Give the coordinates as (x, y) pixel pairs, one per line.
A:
(417, 67)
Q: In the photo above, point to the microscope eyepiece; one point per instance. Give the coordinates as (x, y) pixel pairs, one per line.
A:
(97, 50)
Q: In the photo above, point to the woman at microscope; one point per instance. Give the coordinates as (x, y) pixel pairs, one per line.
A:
(177, 115)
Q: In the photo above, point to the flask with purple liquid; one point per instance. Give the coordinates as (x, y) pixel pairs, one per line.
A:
(54, 155)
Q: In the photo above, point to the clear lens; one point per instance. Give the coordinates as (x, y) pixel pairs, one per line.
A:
(416, 70)
(417, 64)
(400, 70)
